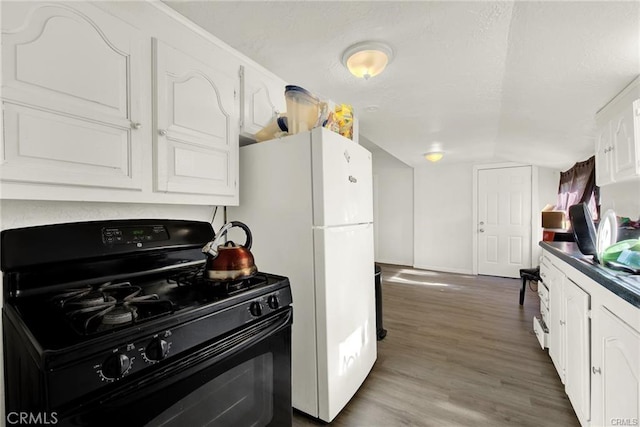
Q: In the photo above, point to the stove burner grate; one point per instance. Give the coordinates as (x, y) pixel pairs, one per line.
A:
(95, 309)
(196, 277)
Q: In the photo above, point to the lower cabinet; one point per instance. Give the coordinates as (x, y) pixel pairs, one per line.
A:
(577, 349)
(615, 371)
(594, 343)
(554, 278)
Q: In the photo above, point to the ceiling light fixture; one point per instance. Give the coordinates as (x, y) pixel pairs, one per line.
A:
(434, 156)
(367, 59)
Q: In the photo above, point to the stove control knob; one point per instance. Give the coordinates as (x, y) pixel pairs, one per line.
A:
(273, 302)
(157, 349)
(256, 309)
(116, 365)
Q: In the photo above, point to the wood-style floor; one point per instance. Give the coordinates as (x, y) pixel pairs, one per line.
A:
(460, 351)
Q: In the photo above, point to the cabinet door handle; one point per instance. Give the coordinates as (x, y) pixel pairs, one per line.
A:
(594, 370)
(136, 125)
(162, 132)
(481, 230)
(562, 322)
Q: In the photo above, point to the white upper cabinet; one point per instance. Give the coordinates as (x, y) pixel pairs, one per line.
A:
(118, 102)
(197, 135)
(618, 137)
(72, 94)
(262, 98)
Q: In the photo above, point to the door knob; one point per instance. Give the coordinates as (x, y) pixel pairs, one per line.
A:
(481, 230)
(481, 222)
(136, 125)
(162, 132)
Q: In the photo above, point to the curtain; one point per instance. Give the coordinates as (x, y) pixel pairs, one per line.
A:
(578, 185)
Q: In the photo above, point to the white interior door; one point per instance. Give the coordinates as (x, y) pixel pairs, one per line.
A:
(504, 221)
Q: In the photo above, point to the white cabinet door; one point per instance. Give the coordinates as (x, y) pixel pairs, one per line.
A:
(72, 93)
(197, 138)
(262, 98)
(624, 154)
(554, 279)
(577, 349)
(618, 138)
(615, 370)
(604, 173)
(342, 180)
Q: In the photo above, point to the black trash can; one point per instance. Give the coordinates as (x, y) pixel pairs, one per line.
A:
(380, 331)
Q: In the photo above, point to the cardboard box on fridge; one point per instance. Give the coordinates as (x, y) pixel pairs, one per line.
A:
(552, 218)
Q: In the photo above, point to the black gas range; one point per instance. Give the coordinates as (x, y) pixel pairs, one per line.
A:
(112, 322)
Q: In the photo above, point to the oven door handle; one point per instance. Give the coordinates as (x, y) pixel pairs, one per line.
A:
(242, 340)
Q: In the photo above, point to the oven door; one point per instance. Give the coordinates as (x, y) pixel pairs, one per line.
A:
(242, 380)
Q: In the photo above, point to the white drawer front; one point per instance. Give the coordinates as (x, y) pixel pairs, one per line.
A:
(544, 312)
(543, 293)
(540, 331)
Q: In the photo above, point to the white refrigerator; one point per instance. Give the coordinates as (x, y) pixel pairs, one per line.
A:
(308, 200)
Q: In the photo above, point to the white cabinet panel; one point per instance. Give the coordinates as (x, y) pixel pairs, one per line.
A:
(554, 279)
(616, 370)
(577, 349)
(74, 59)
(72, 97)
(618, 137)
(196, 142)
(262, 98)
(604, 173)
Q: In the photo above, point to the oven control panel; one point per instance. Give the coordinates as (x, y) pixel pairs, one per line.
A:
(133, 235)
(117, 363)
(134, 356)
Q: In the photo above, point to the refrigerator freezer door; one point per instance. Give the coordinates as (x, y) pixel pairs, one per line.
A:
(342, 180)
(345, 307)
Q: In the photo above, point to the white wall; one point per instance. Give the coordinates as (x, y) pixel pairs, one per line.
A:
(394, 215)
(443, 214)
(547, 193)
(624, 198)
(392, 207)
(23, 213)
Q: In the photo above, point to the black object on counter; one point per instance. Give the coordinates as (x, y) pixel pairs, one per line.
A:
(380, 331)
(583, 229)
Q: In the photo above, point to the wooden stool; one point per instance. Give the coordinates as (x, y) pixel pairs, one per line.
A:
(532, 274)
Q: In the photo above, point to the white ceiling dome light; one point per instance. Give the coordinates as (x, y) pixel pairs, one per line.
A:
(367, 59)
(434, 156)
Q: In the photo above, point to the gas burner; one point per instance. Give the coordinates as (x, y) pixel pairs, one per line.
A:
(94, 309)
(121, 314)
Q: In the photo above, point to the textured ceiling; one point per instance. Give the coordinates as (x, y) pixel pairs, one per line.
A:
(488, 81)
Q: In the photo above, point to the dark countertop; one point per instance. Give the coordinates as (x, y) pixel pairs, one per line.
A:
(622, 284)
